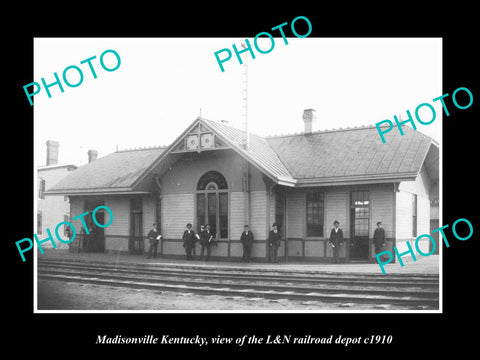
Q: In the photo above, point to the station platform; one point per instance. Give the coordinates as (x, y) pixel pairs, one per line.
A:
(429, 265)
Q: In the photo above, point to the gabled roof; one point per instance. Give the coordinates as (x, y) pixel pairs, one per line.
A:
(259, 151)
(343, 156)
(116, 172)
(352, 155)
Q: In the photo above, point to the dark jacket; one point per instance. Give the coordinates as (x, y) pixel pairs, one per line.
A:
(247, 239)
(336, 237)
(206, 237)
(274, 238)
(379, 236)
(152, 235)
(189, 238)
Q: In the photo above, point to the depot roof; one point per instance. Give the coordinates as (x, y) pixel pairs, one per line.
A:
(334, 157)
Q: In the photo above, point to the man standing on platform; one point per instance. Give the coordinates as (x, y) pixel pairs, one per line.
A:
(379, 238)
(189, 239)
(273, 243)
(206, 238)
(153, 238)
(336, 240)
(247, 240)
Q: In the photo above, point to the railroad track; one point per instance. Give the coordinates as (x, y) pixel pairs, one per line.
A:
(405, 290)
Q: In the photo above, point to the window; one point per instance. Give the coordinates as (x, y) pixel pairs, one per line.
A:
(315, 211)
(212, 203)
(136, 226)
(41, 188)
(212, 177)
(414, 215)
(39, 223)
(360, 201)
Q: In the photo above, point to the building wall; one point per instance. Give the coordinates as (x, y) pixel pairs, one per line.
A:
(53, 208)
(179, 185)
(404, 212)
(336, 207)
(178, 204)
(382, 209)
(182, 177)
(118, 233)
(178, 209)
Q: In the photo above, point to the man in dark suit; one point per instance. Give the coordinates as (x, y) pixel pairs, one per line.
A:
(336, 240)
(273, 243)
(206, 238)
(247, 240)
(153, 238)
(189, 239)
(379, 237)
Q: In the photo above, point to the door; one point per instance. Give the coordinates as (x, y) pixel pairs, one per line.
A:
(280, 218)
(136, 241)
(99, 232)
(359, 225)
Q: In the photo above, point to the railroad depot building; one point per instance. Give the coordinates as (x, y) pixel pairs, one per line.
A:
(51, 209)
(213, 174)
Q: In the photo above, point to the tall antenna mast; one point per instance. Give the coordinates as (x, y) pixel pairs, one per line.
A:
(245, 139)
(245, 142)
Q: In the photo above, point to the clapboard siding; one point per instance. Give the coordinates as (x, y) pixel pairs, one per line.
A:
(423, 215)
(76, 208)
(121, 216)
(272, 200)
(403, 215)
(336, 209)
(177, 211)
(237, 221)
(148, 214)
(381, 209)
(258, 214)
(295, 214)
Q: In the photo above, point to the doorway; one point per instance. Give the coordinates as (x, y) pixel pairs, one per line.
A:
(95, 240)
(99, 232)
(136, 242)
(359, 225)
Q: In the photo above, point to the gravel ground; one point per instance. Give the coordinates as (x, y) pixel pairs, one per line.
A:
(56, 295)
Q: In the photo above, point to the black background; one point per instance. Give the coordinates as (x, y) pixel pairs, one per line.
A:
(63, 335)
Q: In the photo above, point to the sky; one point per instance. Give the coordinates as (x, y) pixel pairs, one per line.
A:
(163, 84)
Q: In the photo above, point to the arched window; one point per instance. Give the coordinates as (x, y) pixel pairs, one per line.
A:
(212, 203)
(212, 177)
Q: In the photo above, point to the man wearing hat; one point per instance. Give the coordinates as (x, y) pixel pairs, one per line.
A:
(154, 238)
(379, 237)
(206, 238)
(189, 239)
(336, 240)
(273, 243)
(247, 240)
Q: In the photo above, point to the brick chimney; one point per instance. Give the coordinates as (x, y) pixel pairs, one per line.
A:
(308, 119)
(52, 152)
(92, 155)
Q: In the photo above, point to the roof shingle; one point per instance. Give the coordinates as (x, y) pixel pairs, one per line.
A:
(117, 170)
(320, 157)
(350, 152)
